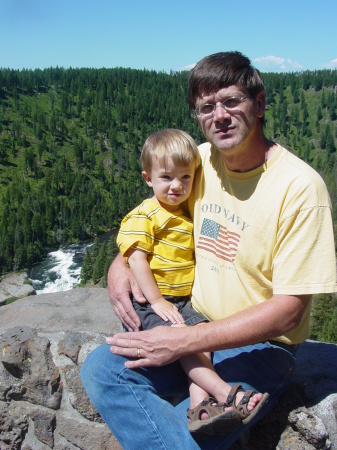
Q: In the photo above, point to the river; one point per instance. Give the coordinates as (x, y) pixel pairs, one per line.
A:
(61, 269)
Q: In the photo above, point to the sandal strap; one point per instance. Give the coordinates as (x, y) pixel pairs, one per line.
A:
(232, 394)
(242, 406)
(209, 405)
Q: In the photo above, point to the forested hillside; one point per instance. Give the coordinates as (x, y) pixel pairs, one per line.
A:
(70, 141)
(69, 149)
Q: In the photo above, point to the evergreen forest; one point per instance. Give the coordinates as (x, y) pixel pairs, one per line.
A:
(70, 141)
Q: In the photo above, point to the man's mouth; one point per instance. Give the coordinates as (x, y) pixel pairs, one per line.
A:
(224, 130)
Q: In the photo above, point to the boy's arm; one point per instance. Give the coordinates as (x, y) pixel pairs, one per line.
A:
(142, 272)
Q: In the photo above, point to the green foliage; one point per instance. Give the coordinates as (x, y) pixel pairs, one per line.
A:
(9, 300)
(323, 323)
(70, 143)
(97, 261)
(86, 269)
(98, 270)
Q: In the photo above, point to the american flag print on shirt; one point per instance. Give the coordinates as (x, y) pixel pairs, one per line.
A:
(216, 239)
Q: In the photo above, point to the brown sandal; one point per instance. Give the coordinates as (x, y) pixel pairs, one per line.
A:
(242, 407)
(219, 422)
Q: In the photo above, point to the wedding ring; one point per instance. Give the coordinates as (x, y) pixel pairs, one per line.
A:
(138, 352)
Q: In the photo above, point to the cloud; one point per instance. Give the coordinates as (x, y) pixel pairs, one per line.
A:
(189, 66)
(332, 64)
(294, 65)
(276, 63)
(269, 61)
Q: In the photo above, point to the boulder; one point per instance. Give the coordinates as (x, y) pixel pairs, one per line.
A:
(15, 285)
(44, 341)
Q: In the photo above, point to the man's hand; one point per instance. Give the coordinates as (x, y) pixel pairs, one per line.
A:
(120, 284)
(157, 347)
(167, 311)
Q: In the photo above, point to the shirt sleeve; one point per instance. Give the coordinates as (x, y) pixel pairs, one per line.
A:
(304, 258)
(136, 231)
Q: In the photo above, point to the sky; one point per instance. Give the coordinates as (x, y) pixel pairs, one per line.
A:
(167, 35)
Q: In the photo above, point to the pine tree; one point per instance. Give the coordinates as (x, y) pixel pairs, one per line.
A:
(112, 250)
(87, 268)
(95, 249)
(98, 270)
(330, 142)
(323, 325)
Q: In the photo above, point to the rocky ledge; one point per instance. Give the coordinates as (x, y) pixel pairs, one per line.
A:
(45, 339)
(15, 285)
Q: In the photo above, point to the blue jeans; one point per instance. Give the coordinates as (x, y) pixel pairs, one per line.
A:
(135, 403)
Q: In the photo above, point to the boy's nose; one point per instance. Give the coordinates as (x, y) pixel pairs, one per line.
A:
(176, 184)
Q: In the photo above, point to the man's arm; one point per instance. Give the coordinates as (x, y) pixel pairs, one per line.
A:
(162, 345)
(120, 284)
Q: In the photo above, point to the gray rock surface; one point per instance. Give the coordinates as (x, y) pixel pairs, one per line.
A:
(44, 340)
(75, 310)
(15, 285)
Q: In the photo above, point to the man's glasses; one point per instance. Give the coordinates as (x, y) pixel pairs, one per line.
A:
(230, 104)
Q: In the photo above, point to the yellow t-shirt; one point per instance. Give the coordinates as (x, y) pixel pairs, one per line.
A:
(168, 240)
(259, 233)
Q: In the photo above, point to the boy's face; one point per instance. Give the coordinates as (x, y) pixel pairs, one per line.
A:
(171, 184)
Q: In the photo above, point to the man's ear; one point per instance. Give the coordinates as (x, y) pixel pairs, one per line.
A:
(147, 178)
(260, 102)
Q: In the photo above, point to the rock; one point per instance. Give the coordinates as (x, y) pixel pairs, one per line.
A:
(80, 310)
(15, 285)
(33, 374)
(309, 426)
(78, 398)
(45, 339)
(71, 345)
(44, 426)
(99, 438)
(13, 426)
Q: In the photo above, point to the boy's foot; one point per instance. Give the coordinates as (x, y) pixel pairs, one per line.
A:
(253, 401)
(210, 417)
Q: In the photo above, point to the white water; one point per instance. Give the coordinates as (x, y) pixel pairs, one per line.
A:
(61, 270)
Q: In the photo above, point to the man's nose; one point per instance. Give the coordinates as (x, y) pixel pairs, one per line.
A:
(220, 113)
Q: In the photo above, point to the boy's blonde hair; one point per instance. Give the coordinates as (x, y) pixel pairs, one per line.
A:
(176, 144)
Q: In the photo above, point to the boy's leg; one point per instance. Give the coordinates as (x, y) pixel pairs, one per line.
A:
(130, 401)
(262, 367)
(197, 393)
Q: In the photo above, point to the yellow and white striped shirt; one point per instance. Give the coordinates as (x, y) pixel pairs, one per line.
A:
(168, 239)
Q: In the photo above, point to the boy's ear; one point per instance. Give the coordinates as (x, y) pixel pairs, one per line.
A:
(147, 178)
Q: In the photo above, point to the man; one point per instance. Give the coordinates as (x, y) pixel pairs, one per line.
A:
(263, 243)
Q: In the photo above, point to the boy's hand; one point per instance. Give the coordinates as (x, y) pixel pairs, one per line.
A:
(167, 311)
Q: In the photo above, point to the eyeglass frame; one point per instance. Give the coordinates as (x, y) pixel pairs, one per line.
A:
(242, 98)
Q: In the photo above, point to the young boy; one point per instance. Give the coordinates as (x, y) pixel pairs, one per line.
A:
(157, 240)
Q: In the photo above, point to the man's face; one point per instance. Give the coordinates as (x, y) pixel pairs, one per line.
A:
(233, 129)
